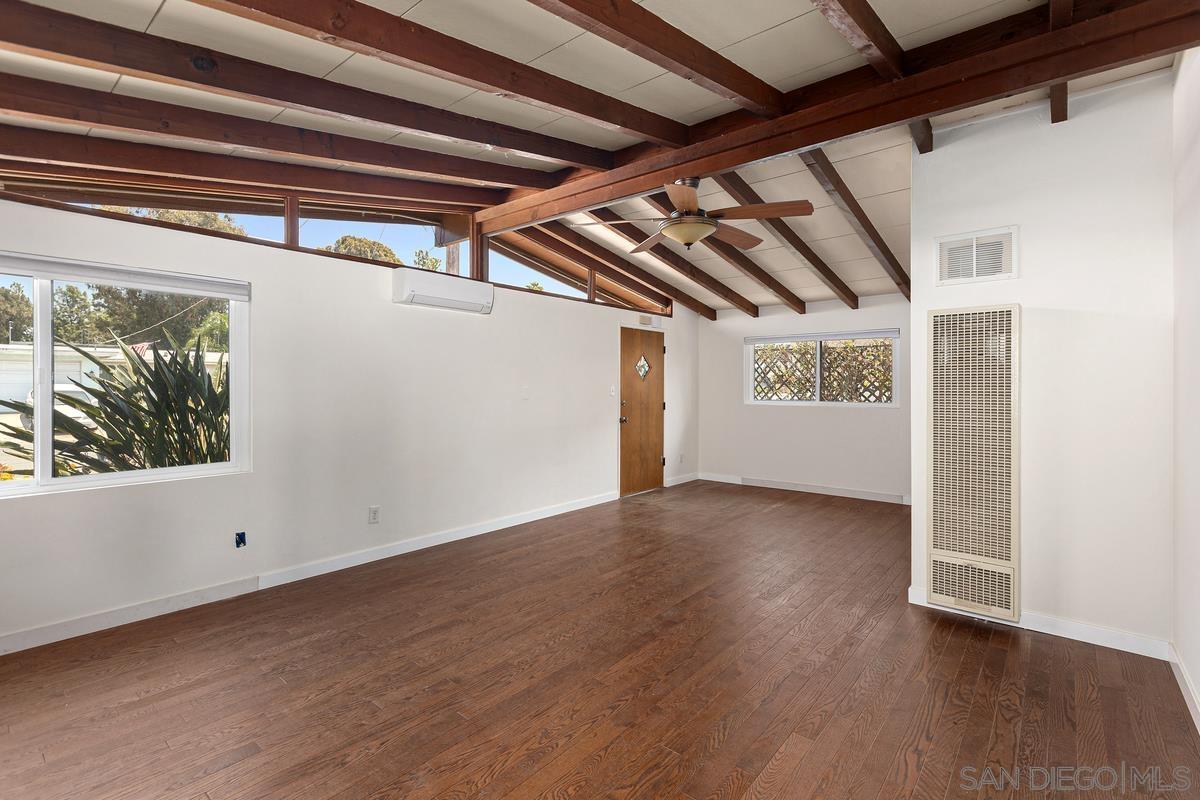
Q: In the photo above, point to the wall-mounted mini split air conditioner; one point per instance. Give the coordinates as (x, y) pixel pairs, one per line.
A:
(419, 287)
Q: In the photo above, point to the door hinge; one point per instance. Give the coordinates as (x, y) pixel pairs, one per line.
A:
(664, 461)
(664, 348)
(664, 405)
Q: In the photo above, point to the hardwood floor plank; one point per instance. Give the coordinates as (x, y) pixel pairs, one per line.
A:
(704, 642)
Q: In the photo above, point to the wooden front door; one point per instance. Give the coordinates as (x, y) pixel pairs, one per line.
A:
(641, 419)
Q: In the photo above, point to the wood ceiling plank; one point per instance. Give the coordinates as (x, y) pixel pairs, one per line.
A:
(633, 28)
(66, 38)
(737, 188)
(1132, 33)
(42, 100)
(831, 181)
(28, 148)
(675, 261)
(365, 29)
(738, 260)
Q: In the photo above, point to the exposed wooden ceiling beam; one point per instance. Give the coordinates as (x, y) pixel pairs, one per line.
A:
(675, 261)
(54, 102)
(1061, 14)
(737, 188)
(599, 252)
(546, 240)
(365, 29)
(831, 181)
(633, 28)
(26, 148)
(862, 28)
(66, 38)
(1133, 33)
(737, 259)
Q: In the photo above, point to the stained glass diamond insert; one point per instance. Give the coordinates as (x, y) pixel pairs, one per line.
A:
(643, 367)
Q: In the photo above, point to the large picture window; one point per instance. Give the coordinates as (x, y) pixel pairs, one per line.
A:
(847, 368)
(109, 374)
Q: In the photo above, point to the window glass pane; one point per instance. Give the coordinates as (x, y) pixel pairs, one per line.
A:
(785, 371)
(16, 379)
(267, 224)
(505, 271)
(140, 379)
(856, 371)
(412, 243)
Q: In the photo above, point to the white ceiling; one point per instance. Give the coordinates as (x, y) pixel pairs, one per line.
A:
(786, 42)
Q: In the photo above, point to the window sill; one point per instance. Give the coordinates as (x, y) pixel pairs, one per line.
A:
(113, 480)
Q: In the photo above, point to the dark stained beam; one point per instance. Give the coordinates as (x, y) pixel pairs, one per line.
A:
(831, 181)
(737, 188)
(69, 39)
(53, 102)
(544, 239)
(1061, 14)
(996, 67)
(862, 28)
(633, 28)
(291, 219)
(479, 245)
(737, 259)
(68, 154)
(922, 135)
(675, 261)
(364, 29)
(599, 252)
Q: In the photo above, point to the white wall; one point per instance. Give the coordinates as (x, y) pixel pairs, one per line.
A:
(1093, 200)
(1187, 371)
(357, 401)
(862, 451)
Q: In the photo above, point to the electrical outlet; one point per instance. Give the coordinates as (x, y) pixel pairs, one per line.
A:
(239, 539)
(681, 458)
(372, 515)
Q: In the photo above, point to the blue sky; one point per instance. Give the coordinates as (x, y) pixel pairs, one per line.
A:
(404, 240)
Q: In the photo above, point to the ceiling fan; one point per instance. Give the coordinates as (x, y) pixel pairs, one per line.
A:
(689, 223)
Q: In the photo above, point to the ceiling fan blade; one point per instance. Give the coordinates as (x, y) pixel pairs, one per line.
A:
(790, 208)
(736, 237)
(614, 222)
(648, 243)
(685, 198)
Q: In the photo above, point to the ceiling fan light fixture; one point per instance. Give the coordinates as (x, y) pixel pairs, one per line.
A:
(688, 230)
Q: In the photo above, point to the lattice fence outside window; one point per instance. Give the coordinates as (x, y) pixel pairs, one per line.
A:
(844, 368)
(785, 371)
(856, 371)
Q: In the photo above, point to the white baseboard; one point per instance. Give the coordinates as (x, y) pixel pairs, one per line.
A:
(1191, 692)
(1067, 628)
(766, 483)
(314, 568)
(675, 480)
(67, 629)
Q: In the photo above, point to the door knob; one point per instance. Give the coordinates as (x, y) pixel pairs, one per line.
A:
(623, 420)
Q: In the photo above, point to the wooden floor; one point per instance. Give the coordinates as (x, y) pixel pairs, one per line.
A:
(706, 641)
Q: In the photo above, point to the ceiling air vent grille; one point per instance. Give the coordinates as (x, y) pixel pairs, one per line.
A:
(986, 255)
(973, 458)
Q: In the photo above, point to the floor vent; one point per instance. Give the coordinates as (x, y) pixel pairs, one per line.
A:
(985, 255)
(973, 480)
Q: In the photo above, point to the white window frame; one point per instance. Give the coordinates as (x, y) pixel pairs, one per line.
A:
(748, 366)
(43, 272)
(1016, 261)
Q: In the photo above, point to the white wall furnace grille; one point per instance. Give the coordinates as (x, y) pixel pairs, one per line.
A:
(985, 255)
(973, 480)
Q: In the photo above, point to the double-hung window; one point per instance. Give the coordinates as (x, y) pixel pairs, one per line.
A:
(113, 375)
(851, 368)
